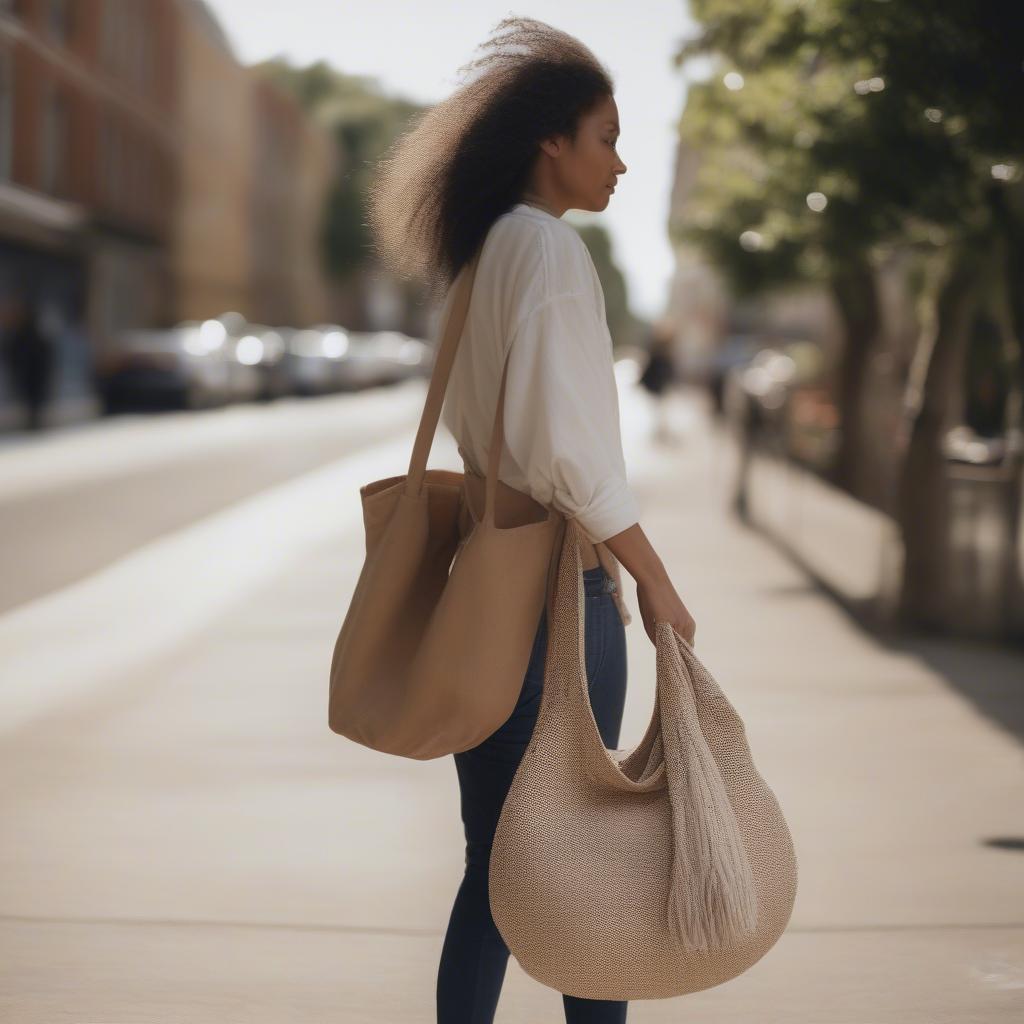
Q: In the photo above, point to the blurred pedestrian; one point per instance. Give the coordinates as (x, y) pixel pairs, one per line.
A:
(28, 356)
(658, 376)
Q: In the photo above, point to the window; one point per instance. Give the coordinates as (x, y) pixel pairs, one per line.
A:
(126, 31)
(6, 112)
(60, 20)
(53, 140)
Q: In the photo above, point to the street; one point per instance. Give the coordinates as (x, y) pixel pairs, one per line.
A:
(185, 839)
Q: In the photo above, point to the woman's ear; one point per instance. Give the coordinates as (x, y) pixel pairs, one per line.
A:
(553, 146)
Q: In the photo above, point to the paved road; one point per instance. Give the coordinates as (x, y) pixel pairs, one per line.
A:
(74, 501)
(185, 840)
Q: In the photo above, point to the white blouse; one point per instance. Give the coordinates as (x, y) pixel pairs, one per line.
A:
(537, 290)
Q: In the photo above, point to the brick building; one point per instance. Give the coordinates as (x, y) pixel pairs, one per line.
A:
(147, 177)
(88, 169)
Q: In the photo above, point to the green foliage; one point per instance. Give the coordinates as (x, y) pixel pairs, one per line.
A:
(613, 283)
(363, 121)
(896, 112)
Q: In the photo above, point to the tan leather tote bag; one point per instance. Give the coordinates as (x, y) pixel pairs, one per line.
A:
(644, 873)
(434, 646)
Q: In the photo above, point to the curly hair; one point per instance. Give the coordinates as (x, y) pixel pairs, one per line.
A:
(444, 181)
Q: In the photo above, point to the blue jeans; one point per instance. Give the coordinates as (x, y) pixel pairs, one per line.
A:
(474, 955)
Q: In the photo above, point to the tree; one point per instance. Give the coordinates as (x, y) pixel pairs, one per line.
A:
(903, 119)
(622, 325)
(364, 121)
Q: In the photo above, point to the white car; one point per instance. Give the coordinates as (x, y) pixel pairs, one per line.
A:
(186, 366)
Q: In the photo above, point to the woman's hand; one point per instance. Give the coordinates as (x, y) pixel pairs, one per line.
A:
(659, 602)
(655, 594)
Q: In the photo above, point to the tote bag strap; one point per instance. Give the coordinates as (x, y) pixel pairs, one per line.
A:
(443, 363)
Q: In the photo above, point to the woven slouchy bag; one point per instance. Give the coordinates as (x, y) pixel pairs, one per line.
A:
(644, 873)
(433, 648)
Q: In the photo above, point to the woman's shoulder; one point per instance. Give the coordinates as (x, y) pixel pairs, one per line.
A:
(544, 249)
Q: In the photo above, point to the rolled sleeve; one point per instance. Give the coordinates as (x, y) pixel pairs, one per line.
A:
(562, 415)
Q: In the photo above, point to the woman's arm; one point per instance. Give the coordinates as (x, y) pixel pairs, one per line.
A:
(562, 428)
(655, 593)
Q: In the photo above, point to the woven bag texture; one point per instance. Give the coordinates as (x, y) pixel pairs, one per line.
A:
(644, 873)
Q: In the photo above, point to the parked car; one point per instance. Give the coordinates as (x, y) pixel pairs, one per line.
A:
(399, 356)
(259, 366)
(185, 366)
(359, 365)
(964, 445)
(329, 357)
(315, 358)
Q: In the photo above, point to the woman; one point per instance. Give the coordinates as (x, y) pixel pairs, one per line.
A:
(530, 134)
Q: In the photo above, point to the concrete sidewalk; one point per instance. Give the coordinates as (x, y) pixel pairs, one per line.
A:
(189, 842)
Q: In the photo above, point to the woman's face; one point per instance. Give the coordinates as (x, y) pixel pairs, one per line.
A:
(586, 171)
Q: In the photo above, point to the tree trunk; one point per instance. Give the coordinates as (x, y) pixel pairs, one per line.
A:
(855, 292)
(1013, 283)
(923, 499)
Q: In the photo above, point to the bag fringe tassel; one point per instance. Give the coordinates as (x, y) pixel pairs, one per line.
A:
(712, 900)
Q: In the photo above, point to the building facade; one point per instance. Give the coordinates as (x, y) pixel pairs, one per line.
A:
(88, 171)
(147, 177)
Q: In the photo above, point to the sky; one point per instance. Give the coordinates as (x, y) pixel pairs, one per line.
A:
(415, 47)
